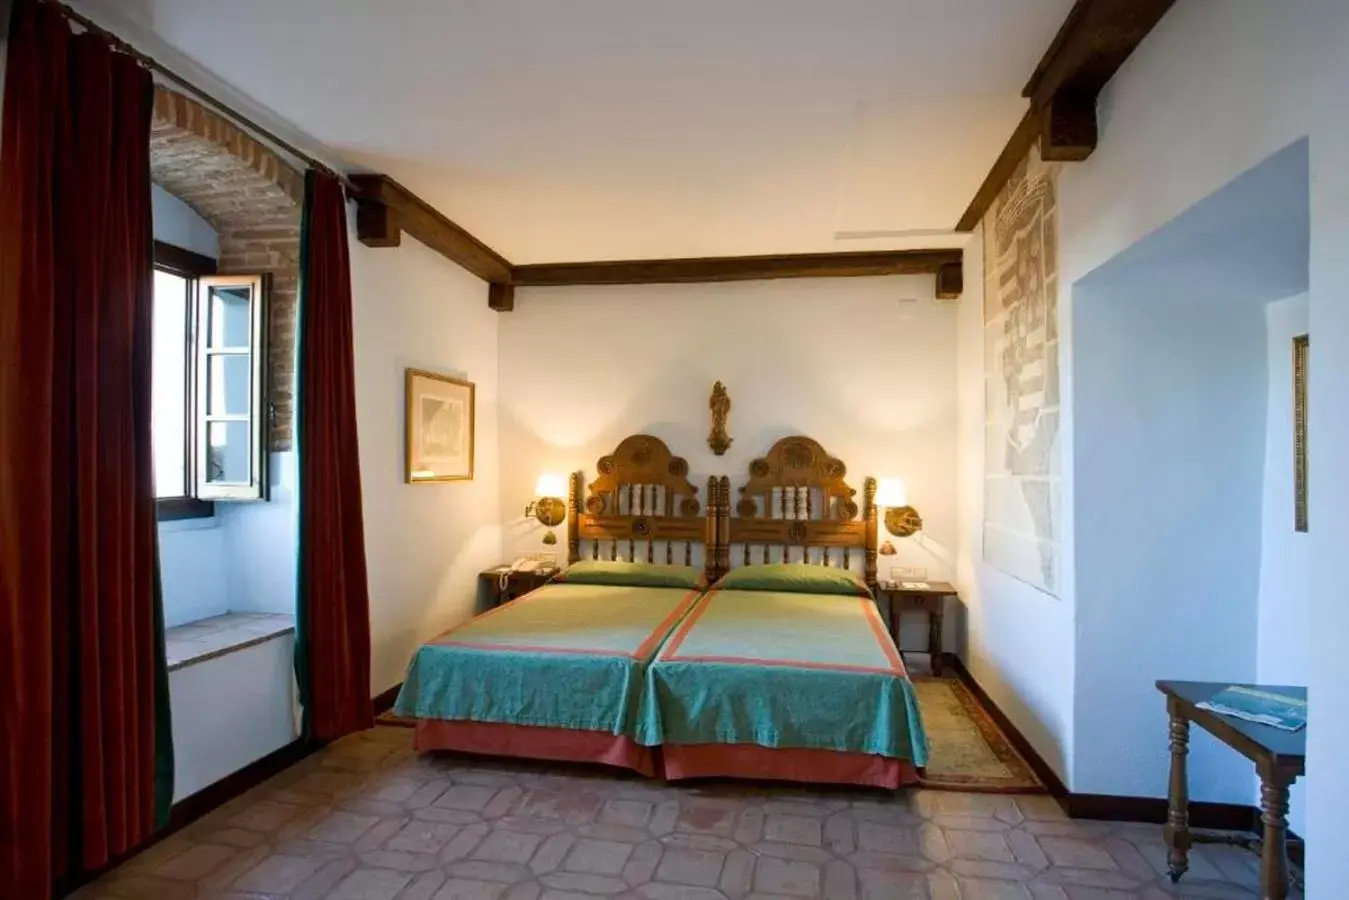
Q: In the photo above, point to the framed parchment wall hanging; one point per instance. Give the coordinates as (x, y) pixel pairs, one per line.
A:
(1300, 344)
(439, 428)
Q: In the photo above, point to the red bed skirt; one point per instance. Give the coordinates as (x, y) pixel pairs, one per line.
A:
(672, 761)
(816, 766)
(535, 742)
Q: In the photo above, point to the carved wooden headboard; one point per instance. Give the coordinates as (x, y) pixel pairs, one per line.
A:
(642, 497)
(796, 497)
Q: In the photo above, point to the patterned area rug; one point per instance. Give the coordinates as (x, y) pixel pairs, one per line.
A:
(968, 752)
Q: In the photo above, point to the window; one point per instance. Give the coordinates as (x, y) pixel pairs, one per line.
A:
(208, 384)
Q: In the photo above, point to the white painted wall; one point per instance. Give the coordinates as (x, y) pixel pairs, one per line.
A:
(425, 543)
(1215, 89)
(229, 711)
(846, 361)
(1020, 643)
(1283, 623)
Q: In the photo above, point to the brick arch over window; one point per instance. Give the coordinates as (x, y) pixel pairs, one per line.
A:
(253, 199)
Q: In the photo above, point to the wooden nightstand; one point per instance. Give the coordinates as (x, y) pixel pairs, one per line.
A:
(517, 583)
(930, 599)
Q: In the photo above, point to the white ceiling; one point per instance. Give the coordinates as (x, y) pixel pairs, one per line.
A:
(603, 129)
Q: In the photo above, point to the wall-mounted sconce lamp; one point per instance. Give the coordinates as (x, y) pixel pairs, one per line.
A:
(547, 505)
(901, 520)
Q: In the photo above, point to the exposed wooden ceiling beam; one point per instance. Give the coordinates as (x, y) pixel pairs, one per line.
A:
(385, 210)
(950, 281)
(1018, 145)
(501, 297)
(737, 268)
(1093, 42)
(404, 210)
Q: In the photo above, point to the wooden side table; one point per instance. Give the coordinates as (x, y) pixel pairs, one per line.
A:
(517, 583)
(930, 599)
(1279, 757)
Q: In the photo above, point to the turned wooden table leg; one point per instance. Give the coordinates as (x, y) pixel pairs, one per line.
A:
(934, 627)
(1177, 831)
(1273, 847)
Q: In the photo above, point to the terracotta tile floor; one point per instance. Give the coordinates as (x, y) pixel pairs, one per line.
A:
(367, 818)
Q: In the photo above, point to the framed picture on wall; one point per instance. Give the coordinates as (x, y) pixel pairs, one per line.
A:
(438, 428)
(1300, 344)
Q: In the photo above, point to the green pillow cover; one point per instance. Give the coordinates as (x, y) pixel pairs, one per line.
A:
(631, 574)
(795, 578)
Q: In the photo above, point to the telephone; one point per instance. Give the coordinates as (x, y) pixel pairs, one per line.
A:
(523, 564)
(526, 564)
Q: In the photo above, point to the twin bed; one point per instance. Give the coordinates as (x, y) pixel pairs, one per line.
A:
(778, 668)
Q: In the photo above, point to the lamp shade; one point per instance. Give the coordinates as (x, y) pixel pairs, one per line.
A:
(892, 492)
(550, 486)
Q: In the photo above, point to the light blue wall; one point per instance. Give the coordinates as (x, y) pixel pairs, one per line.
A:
(1170, 407)
(1171, 389)
(192, 563)
(243, 559)
(233, 709)
(1284, 624)
(178, 224)
(261, 544)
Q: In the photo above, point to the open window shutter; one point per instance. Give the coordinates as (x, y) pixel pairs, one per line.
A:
(231, 451)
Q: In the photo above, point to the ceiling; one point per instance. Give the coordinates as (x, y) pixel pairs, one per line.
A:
(606, 129)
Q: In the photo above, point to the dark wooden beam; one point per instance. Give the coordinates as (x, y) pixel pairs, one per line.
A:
(1022, 139)
(950, 281)
(737, 268)
(501, 297)
(1093, 42)
(182, 261)
(1067, 128)
(377, 225)
(385, 210)
(422, 221)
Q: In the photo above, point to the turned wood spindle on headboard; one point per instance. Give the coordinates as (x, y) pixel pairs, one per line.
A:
(573, 519)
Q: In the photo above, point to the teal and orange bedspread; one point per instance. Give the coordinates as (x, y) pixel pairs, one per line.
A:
(564, 656)
(783, 670)
(669, 667)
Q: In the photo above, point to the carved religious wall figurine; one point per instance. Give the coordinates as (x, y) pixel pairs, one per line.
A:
(720, 403)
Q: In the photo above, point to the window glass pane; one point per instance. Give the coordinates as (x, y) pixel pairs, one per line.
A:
(231, 316)
(229, 382)
(168, 392)
(228, 452)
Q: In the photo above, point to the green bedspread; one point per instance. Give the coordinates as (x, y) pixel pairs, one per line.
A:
(783, 670)
(563, 656)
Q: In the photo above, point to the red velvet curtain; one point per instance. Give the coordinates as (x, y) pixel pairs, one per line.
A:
(81, 646)
(333, 650)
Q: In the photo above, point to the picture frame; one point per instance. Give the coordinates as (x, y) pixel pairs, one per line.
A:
(438, 427)
(1301, 345)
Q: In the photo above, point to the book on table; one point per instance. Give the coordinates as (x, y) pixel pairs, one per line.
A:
(1264, 707)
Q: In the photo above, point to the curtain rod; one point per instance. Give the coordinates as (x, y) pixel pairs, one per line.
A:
(155, 65)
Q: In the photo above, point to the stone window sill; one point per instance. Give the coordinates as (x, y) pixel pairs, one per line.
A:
(205, 639)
